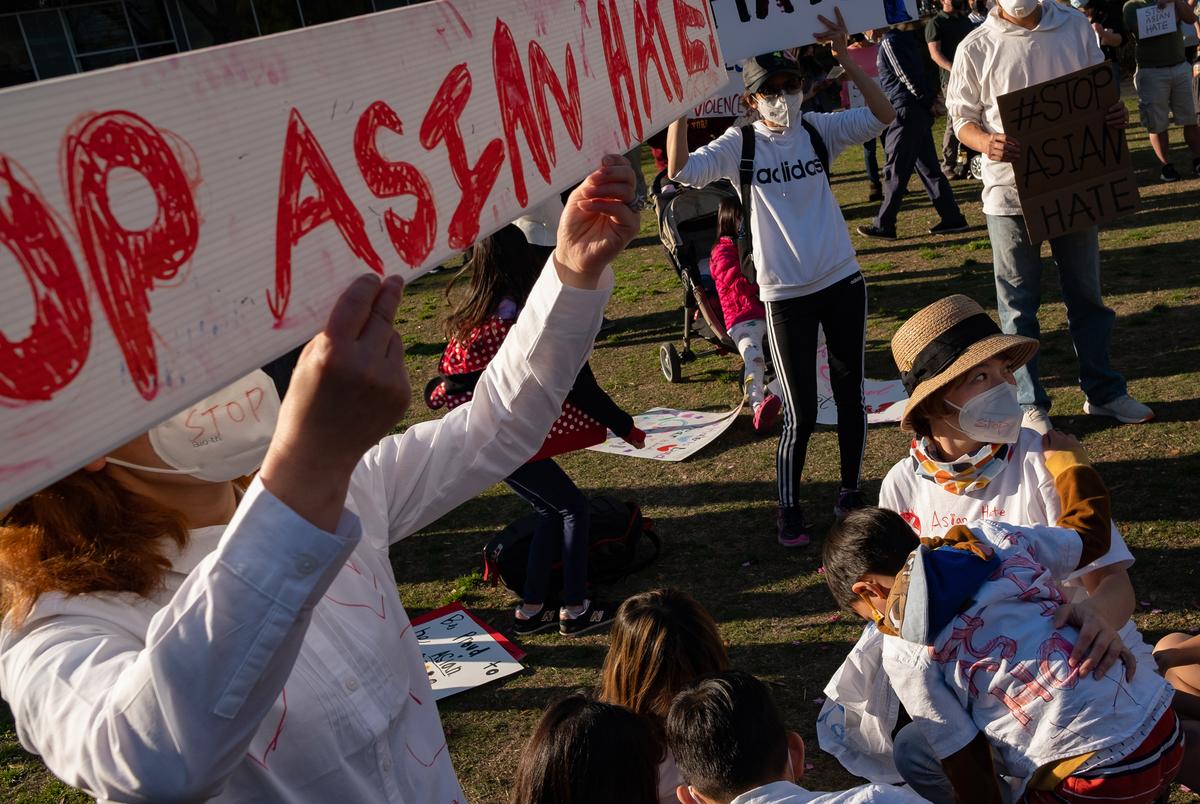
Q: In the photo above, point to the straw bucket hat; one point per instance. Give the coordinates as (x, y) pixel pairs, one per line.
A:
(945, 340)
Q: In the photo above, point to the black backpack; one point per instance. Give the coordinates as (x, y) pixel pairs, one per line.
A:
(616, 531)
(746, 179)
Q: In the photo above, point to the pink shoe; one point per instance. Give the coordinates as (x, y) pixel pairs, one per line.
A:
(766, 413)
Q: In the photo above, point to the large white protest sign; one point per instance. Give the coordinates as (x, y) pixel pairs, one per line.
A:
(461, 652)
(751, 27)
(166, 226)
(672, 435)
(1155, 21)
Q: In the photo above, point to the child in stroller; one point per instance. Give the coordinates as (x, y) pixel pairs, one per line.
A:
(745, 316)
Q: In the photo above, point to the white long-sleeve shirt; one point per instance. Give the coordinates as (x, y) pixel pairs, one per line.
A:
(801, 244)
(999, 57)
(278, 663)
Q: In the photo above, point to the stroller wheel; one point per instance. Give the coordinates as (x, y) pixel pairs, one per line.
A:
(668, 359)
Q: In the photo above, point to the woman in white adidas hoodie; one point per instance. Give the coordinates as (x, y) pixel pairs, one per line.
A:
(808, 274)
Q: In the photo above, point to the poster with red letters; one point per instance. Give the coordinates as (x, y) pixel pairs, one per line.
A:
(167, 226)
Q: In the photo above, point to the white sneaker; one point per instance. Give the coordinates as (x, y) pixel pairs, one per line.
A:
(1036, 418)
(1124, 409)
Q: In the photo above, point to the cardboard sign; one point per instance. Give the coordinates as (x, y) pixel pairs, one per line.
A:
(751, 27)
(461, 652)
(672, 435)
(728, 101)
(1155, 21)
(166, 226)
(1074, 171)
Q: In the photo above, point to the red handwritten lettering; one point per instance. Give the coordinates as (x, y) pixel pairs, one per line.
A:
(441, 124)
(616, 57)
(413, 238)
(235, 412)
(516, 110)
(1030, 691)
(46, 360)
(544, 77)
(695, 59)
(254, 397)
(296, 217)
(123, 264)
(1057, 644)
(646, 26)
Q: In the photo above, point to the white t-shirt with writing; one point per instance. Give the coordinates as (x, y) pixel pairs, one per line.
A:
(801, 244)
(1000, 667)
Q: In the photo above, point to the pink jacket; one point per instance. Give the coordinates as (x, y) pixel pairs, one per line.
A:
(738, 295)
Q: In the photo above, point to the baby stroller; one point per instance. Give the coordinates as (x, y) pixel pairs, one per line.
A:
(687, 227)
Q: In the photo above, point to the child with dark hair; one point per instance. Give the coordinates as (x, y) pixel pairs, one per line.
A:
(974, 655)
(745, 316)
(731, 745)
(661, 642)
(584, 752)
(500, 274)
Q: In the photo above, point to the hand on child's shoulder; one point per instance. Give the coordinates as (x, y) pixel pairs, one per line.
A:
(1056, 441)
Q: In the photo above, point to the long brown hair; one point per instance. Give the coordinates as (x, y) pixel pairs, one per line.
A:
(501, 265)
(584, 752)
(86, 533)
(661, 642)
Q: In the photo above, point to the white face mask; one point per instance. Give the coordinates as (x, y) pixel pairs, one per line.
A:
(221, 437)
(1018, 8)
(993, 417)
(782, 110)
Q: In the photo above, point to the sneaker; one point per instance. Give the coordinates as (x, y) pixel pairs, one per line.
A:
(594, 617)
(848, 500)
(874, 231)
(950, 227)
(766, 413)
(1124, 409)
(793, 528)
(876, 193)
(544, 620)
(1036, 418)
(1169, 174)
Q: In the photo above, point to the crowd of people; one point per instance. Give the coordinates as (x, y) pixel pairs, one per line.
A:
(168, 606)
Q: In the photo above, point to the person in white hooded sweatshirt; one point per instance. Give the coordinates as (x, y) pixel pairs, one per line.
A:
(806, 267)
(1022, 43)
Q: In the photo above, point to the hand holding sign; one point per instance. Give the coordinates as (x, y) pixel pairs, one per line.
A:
(596, 223)
(349, 389)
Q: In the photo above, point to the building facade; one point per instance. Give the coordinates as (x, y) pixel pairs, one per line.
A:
(42, 39)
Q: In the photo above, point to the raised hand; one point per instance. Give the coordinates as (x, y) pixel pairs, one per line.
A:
(597, 223)
(348, 391)
(835, 33)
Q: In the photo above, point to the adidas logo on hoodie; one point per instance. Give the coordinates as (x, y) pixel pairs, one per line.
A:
(789, 171)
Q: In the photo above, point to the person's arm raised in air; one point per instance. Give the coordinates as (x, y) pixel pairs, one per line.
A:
(435, 466)
(836, 35)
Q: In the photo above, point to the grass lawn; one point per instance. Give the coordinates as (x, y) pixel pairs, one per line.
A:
(715, 512)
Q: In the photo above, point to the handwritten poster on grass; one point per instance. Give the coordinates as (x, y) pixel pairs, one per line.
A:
(672, 435)
(167, 226)
(461, 652)
(1074, 170)
(751, 27)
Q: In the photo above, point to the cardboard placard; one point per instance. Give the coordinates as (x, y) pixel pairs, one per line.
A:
(1155, 21)
(1074, 170)
(672, 435)
(751, 27)
(728, 101)
(461, 652)
(169, 225)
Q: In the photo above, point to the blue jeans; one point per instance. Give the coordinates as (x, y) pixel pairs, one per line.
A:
(563, 522)
(919, 767)
(1018, 267)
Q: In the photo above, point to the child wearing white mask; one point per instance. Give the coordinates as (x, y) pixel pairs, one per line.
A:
(172, 635)
(806, 268)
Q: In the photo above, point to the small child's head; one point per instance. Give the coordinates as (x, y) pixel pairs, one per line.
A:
(862, 555)
(587, 752)
(501, 265)
(661, 641)
(728, 737)
(729, 218)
